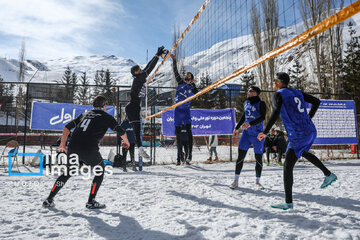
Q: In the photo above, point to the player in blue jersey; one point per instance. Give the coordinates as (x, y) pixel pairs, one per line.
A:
(186, 88)
(289, 103)
(252, 124)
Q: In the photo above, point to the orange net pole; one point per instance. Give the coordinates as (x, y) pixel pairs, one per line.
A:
(195, 18)
(180, 39)
(337, 18)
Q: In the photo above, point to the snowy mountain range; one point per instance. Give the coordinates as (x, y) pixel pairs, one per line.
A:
(217, 61)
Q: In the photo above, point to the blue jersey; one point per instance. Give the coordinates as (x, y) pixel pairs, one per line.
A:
(183, 91)
(129, 130)
(252, 112)
(293, 113)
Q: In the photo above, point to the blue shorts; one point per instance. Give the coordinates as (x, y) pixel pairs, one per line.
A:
(182, 116)
(246, 140)
(303, 144)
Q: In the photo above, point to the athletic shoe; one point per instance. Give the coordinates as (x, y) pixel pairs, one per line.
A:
(178, 163)
(280, 163)
(283, 206)
(94, 205)
(134, 168)
(259, 186)
(234, 184)
(187, 162)
(328, 180)
(48, 203)
(143, 154)
(268, 163)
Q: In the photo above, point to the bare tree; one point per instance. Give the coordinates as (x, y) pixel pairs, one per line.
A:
(335, 46)
(312, 13)
(266, 38)
(20, 95)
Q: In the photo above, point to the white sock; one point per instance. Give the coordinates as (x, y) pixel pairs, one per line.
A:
(237, 177)
(257, 179)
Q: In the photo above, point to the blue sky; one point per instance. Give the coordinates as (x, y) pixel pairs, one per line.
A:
(62, 28)
(127, 28)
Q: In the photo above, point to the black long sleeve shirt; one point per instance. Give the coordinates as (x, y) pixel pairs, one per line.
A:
(277, 103)
(139, 81)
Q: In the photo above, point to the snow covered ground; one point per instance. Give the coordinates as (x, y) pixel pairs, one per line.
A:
(186, 202)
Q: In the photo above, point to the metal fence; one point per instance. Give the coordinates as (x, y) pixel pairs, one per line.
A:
(17, 98)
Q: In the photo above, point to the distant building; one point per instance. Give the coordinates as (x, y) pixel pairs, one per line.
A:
(235, 90)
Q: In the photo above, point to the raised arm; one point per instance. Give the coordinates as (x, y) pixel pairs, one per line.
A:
(175, 69)
(151, 65)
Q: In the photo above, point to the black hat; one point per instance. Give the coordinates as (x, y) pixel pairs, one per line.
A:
(284, 77)
(256, 89)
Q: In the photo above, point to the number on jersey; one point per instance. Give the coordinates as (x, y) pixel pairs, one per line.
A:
(84, 124)
(298, 101)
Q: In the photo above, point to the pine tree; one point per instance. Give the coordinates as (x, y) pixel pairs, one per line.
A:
(6, 95)
(67, 81)
(351, 69)
(247, 80)
(97, 80)
(109, 89)
(73, 87)
(298, 76)
(83, 93)
(205, 100)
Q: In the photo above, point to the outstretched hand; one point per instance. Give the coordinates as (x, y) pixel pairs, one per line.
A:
(261, 136)
(160, 51)
(61, 149)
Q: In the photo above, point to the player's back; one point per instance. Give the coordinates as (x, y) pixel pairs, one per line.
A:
(294, 115)
(90, 129)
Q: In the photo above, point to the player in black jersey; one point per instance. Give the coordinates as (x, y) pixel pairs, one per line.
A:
(90, 127)
(137, 92)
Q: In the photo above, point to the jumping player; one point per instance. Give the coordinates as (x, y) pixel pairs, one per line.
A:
(186, 88)
(90, 127)
(252, 124)
(137, 92)
(289, 103)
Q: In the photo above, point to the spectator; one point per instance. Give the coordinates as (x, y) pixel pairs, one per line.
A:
(213, 142)
(126, 125)
(270, 146)
(42, 140)
(280, 144)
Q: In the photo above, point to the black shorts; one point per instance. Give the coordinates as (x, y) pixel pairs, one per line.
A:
(90, 158)
(133, 112)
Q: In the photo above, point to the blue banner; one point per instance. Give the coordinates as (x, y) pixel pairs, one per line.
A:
(335, 122)
(203, 121)
(54, 116)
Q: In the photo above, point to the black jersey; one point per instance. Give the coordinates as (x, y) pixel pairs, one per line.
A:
(90, 128)
(138, 88)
